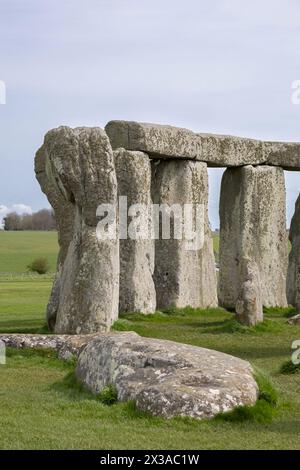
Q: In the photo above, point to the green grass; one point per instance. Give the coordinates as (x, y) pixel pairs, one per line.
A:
(18, 249)
(23, 295)
(23, 305)
(43, 407)
(216, 245)
(216, 242)
(108, 395)
(286, 312)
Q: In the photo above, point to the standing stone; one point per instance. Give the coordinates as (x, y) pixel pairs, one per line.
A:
(253, 228)
(184, 272)
(64, 215)
(79, 162)
(249, 307)
(293, 277)
(137, 290)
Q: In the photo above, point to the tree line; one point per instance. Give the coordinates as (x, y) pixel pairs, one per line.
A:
(41, 220)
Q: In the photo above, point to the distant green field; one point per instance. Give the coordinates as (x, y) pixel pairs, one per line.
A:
(24, 296)
(23, 304)
(18, 249)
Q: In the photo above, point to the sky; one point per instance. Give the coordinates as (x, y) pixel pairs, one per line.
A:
(219, 66)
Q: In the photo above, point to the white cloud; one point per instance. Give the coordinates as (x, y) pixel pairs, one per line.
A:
(18, 208)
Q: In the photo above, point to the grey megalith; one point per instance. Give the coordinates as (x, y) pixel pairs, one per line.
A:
(253, 229)
(293, 277)
(137, 290)
(183, 276)
(80, 165)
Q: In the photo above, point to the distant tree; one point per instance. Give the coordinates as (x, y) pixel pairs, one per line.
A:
(41, 220)
(12, 221)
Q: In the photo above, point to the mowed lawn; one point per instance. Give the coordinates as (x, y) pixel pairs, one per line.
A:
(18, 249)
(22, 304)
(23, 296)
(41, 409)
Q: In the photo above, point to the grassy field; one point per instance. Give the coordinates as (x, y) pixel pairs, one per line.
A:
(216, 242)
(18, 249)
(41, 409)
(23, 296)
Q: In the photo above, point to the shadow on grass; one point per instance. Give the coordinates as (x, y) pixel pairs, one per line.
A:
(72, 388)
(44, 357)
(206, 323)
(25, 326)
(289, 367)
(233, 326)
(285, 312)
(253, 352)
(75, 390)
(172, 312)
(36, 331)
(27, 352)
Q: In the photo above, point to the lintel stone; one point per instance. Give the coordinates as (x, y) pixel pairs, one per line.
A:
(165, 142)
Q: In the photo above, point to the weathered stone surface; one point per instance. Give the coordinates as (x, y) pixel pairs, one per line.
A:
(65, 345)
(184, 273)
(161, 141)
(167, 378)
(283, 154)
(227, 150)
(64, 215)
(157, 140)
(248, 307)
(253, 227)
(137, 290)
(80, 164)
(293, 277)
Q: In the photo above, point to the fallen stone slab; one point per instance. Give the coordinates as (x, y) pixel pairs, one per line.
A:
(166, 378)
(163, 142)
(66, 346)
